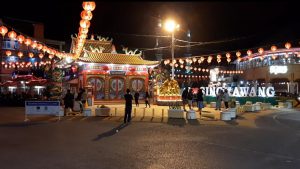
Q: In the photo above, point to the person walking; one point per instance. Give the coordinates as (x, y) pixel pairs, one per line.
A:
(200, 101)
(219, 100)
(184, 98)
(68, 101)
(226, 98)
(136, 98)
(190, 98)
(147, 99)
(128, 106)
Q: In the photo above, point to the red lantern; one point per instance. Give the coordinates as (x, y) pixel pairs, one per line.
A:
(33, 45)
(260, 50)
(85, 23)
(89, 6)
(86, 15)
(31, 55)
(12, 35)
(8, 53)
(273, 48)
(83, 30)
(20, 38)
(105, 68)
(249, 52)
(39, 46)
(41, 56)
(3, 30)
(20, 54)
(27, 42)
(288, 45)
(238, 53)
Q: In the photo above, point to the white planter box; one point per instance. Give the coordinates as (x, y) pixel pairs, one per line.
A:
(87, 112)
(102, 111)
(175, 113)
(213, 104)
(250, 108)
(225, 116)
(191, 114)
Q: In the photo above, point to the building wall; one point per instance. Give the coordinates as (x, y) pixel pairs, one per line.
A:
(292, 74)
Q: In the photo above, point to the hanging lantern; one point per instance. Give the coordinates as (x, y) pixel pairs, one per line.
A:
(174, 61)
(12, 35)
(85, 23)
(218, 60)
(199, 69)
(288, 45)
(239, 59)
(195, 69)
(274, 57)
(249, 52)
(206, 70)
(86, 15)
(202, 58)
(39, 46)
(228, 55)
(20, 38)
(194, 59)
(44, 49)
(8, 53)
(181, 66)
(260, 50)
(238, 54)
(219, 56)
(27, 42)
(34, 45)
(3, 30)
(176, 65)
(20, 54)
(228, 60)
(51, 56)
(199, 61)
(41, 56)
(83, 30)
(89, 5)
(31, 55)
(209, 59)
(273, 48)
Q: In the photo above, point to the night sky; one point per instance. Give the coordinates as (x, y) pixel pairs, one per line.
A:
(257, 23)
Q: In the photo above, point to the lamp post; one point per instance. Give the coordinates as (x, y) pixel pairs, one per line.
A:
(170, 26)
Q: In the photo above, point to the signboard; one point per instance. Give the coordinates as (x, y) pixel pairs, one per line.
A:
(241, 91)
(117, 72)
(278, 69)
(42, 107)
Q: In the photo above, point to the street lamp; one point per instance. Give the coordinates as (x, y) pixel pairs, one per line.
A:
(170, 26)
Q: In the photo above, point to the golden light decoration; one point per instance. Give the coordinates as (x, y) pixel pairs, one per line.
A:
(199, 61)
(41, 56)
(20, 54)
(20, 38)
(238, 54)
(249, 52)
(85, 23)
(181, 61)
(31, 55)
(228, 60)
(3, 30)
(219, 56)
(44, 49)
(51, 56)
(87, 15)
(195, 69)
(176, 65)
(286, 55)
(27, 42)
(83, 30)
(288, 45)
(12, 35)
(202, 58)
(174, 61)
(181, 66)
(199, 69)
(8, 53)
(218, 60)
(206, 70)
(273, 48)
(89, 5)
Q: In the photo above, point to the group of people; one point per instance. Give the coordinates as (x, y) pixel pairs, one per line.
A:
(81, 98)
(188, 97)
(222, 96)
(128, 103)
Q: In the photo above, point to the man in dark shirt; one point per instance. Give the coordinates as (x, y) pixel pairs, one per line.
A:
(128, 106)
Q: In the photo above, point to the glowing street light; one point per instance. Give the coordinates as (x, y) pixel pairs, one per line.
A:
(170, 26)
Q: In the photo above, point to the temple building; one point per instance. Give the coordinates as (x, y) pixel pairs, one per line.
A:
(107, 74)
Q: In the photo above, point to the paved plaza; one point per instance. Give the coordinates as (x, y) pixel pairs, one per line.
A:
(265, 139)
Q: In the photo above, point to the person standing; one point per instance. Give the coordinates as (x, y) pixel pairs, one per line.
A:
(147, 99)
(128, 106)
(68, 101)
(190, 98)
(184, 98)
(200, 101)
(79, 98)
(83, 97)
(219, 100)
(226, 98)
(136, 98)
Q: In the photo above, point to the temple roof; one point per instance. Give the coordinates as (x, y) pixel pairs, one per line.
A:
(106, 45)
(112, 58)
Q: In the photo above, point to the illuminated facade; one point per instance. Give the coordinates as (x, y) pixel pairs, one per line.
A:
(107, 73)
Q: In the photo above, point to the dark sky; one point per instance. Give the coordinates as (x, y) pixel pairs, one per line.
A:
(263, 23)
